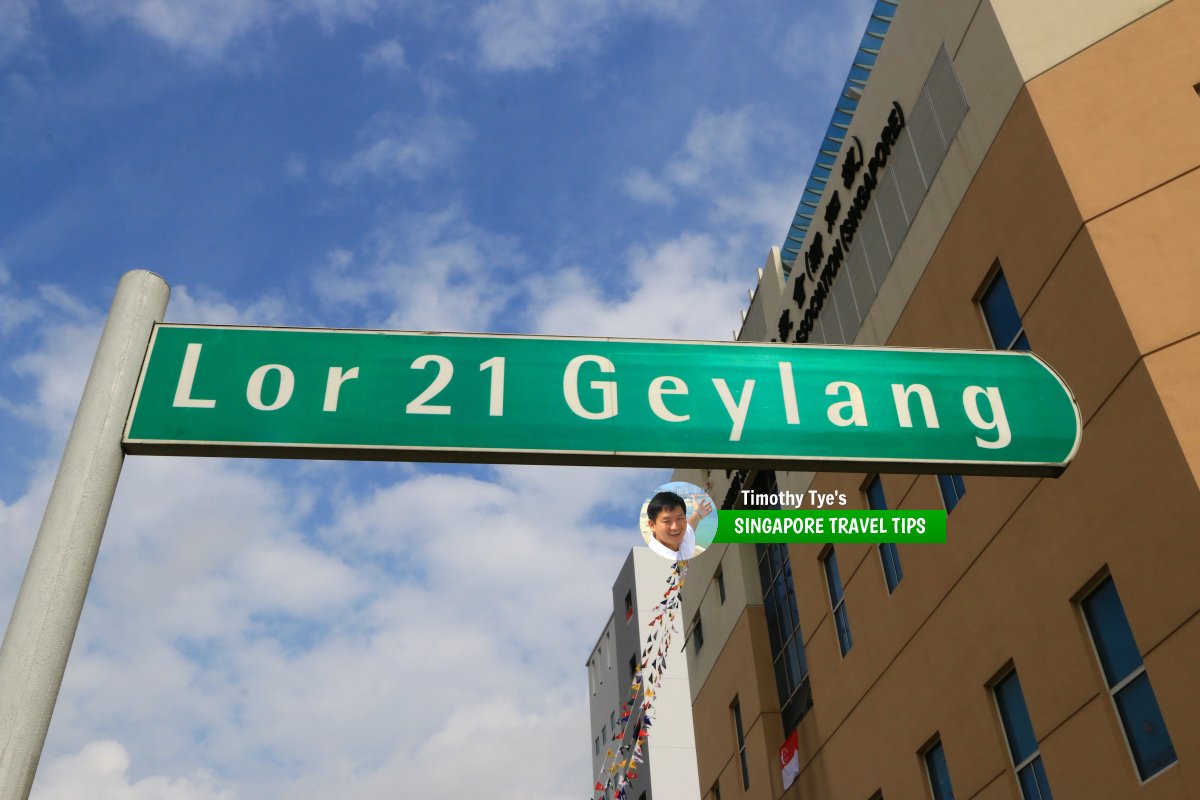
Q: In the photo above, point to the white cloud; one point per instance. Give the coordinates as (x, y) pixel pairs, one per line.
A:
(202, 28)
(427, 271)
(295, 167)
(15, 309)
(538, 34)
(727, 163)
(204, 307)
(260, 630)
(394, 145)
(387, 56)
(688, 287)
(641, 185)
(100, 772)
(206, 29)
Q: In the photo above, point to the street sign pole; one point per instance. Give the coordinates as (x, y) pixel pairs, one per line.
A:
(42, 628)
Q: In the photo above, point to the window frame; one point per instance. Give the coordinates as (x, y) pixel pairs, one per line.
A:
(740, 741)
(844, 647)
(1009, 671)
(994, 274)
(935, 744)
(956, 480)
(890, 581)
(1089, 591)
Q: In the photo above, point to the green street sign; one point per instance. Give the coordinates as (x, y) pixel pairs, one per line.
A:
(308, 393)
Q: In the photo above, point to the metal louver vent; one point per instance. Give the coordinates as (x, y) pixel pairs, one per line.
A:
(874, 247)
(891, 213)
(907, 174)
(946, 96)
(926, 138)
(843, 298)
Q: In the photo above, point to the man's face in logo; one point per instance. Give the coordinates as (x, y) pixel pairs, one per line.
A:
(670, 527)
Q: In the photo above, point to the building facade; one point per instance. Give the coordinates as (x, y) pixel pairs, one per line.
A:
(668, 771)
(999, 174)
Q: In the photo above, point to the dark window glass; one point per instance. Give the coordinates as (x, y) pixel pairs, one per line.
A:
(892, 572)
(1022, 744)
(1118, 651)
(1141, 719)
(783, 623)
(838, 602)
(1017, 725)
(953, 489)
(1033, 781)
(698, 634)
(1144, 727)
(939, 773)
(741, 743)
(628, 606)
(875, 498)
(1003, 321)
(721, 584)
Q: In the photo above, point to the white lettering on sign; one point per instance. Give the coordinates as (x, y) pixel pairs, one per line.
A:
(790, 409)
(187, 375)
(333, 386)
(854, 405)
(607, 389)
(904, 413)
(496, 397)
(287, 383)
(419, 404)
(737, 410)
(658, 389)
(983, 405)
(999, 421)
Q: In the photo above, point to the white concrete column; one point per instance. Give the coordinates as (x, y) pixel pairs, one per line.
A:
(39, 636)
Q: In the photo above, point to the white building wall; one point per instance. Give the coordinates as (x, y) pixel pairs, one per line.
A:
(669, 771)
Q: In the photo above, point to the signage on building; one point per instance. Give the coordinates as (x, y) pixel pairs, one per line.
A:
(279, 392)
(821, 267)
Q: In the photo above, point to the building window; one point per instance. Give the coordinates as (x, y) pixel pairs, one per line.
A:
(783, 622)
(1128, 684)
(1022, 744)
(612, 719)
(716, 791)
(629, 605)
(938, 772)
(741, 742)
(604, 733)
(889, 556)
(698, 634)
(632, 666)
(608, 642)
(642, 796)
(953, 489)
(597, 745)
(837, 601)
(1000, 312)
(720, 579)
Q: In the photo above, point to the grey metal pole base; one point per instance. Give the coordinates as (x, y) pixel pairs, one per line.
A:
(39, 636)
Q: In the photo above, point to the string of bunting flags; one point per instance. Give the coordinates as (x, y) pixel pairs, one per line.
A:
(626, 748)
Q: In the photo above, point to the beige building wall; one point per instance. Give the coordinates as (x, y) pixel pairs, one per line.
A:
(1075, 171)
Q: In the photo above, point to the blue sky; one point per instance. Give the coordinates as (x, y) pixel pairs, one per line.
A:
(586, 167)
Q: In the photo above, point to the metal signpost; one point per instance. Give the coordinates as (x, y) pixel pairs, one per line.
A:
(545, 400)
(299, 393)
